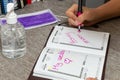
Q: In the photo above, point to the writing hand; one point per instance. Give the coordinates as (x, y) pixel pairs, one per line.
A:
(87, 18)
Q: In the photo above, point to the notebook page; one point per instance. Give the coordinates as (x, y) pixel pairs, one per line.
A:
(66, 64)
(86, 41)
(85, 38)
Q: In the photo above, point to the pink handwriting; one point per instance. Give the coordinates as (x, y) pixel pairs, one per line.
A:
(61, 62)
(61, 53)
(71, 38)
(57, 65)
(67, 61)
(82, 38)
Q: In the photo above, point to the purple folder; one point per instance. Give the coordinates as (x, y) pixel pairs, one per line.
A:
(37, 19)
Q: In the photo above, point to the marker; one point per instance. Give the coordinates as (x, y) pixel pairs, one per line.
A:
(79, 28)
(79, 12)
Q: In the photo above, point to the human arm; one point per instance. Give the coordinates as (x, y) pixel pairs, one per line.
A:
(92, 16)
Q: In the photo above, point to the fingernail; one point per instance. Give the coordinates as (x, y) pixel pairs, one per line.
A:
(82, 25)
(77, 23)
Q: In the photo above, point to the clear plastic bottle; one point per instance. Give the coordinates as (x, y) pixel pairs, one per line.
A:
(12, 35)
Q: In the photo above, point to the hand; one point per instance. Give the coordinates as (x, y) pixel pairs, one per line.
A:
(87, 18)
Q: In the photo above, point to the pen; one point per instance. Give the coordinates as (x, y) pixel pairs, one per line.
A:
(79, 11)
(41, 0)
(79, 28)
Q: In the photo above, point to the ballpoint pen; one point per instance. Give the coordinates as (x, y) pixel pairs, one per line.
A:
(79, 12)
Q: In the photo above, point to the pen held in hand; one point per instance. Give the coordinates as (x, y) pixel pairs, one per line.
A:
(79, 27)
(79, 12)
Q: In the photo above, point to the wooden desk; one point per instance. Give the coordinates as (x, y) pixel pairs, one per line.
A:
(19, 69)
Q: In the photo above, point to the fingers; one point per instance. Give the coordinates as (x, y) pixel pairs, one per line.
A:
(78, 21)
(72, 18)
(86, 18)
(91, 78)
(72, 22)
(82, 18)
(71, 12)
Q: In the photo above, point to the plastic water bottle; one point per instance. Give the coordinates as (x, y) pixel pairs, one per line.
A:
(12, 35)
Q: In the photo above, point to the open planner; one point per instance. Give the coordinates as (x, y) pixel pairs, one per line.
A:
(72, 55)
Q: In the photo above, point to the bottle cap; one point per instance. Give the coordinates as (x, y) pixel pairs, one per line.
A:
(11, 16)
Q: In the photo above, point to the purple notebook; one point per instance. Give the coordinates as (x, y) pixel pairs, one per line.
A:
(37, 19)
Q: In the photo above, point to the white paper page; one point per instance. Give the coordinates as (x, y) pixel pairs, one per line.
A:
(63, 62)
(66, 64)
(92, 62)
(85, 38)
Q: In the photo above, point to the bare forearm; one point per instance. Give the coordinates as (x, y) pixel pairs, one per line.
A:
(109, 10)
(92, 16)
